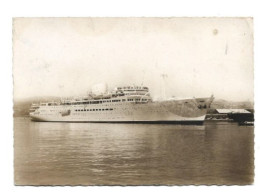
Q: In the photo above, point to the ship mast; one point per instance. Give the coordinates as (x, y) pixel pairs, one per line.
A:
(143, 78)
(163, 90)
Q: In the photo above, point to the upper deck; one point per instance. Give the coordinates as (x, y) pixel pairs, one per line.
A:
(137, 94)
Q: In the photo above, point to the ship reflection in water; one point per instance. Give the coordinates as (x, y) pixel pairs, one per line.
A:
(132, 154)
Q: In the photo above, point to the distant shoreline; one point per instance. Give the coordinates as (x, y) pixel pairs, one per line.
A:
(21, 108)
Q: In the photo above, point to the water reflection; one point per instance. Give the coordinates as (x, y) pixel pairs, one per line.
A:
(230, 153)
(133, 154)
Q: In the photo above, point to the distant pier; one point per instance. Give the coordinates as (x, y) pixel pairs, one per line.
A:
(242, 116)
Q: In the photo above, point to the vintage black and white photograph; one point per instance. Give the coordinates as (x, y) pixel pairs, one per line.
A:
(133, 101)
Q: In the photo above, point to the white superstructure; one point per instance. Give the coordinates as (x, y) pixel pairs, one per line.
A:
(124, 104)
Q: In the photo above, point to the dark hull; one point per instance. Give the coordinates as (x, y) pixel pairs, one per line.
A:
(134, 122)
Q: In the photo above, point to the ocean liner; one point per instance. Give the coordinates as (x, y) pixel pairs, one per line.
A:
(129, 104)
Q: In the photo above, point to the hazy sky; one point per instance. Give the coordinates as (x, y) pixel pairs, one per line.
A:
(201, 56)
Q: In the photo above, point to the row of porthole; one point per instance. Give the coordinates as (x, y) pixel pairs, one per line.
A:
(104, 101)
(82, 110)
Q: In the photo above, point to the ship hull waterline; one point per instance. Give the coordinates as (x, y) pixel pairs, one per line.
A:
(191, 121)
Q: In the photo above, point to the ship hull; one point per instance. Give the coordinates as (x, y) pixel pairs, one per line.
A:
(196, 120)
(184, 122)
(188, 111)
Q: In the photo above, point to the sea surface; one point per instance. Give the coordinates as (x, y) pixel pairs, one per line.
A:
(48, 153)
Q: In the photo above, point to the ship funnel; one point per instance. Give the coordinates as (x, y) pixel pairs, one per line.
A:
(99, 89)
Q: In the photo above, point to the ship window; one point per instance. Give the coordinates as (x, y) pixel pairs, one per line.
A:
(102, 109)
(99, 109)
(123, 100)
(90, 110)
(106, 108)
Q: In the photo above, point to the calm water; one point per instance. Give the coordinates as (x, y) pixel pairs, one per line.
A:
(132, 154)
